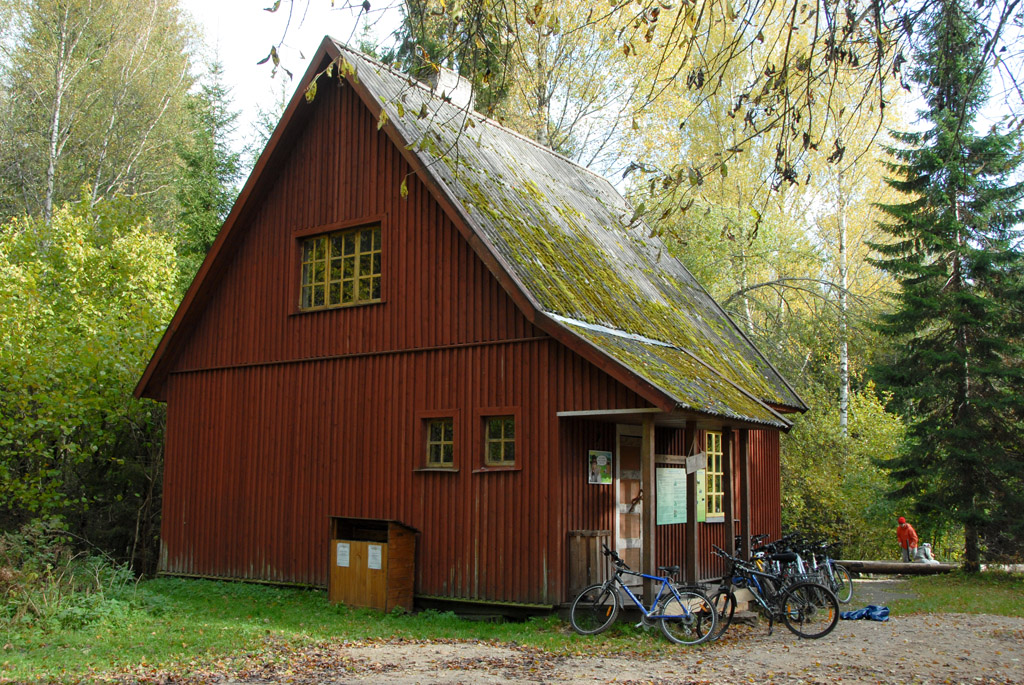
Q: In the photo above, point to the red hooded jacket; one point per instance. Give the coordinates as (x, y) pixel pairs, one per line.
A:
(907, 536)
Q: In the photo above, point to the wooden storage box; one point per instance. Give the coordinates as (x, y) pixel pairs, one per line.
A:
(372, 563)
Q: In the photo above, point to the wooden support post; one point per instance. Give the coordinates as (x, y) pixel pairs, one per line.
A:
(690, 553)
(648, 527)
(744, 504)
(728, 499)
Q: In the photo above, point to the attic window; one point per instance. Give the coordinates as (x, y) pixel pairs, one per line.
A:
(341, 269)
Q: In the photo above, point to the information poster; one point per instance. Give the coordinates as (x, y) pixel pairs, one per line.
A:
(373, 556)
(599, 468)
(343, 554)
(671, 496)
(701, 500)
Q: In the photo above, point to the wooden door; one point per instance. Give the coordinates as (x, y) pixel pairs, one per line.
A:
(629, 501)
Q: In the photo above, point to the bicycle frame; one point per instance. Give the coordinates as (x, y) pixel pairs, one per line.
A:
(749, 580)
(648, 614)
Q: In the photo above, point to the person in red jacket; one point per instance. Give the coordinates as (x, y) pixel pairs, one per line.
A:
(907, 537)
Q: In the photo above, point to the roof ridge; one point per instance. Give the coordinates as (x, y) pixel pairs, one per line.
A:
(412, 81)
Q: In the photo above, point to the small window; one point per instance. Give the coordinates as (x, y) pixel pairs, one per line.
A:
(440, 442)
(341, 268)
(715, 491)
(500, 441)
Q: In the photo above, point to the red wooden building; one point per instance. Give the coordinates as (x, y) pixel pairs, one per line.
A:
(414, 314)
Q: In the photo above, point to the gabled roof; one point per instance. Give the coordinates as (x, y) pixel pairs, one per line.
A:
(555, 235)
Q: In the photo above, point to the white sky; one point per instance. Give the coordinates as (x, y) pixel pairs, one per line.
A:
(239, 33)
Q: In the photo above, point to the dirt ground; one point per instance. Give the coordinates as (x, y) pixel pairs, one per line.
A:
(948, 648)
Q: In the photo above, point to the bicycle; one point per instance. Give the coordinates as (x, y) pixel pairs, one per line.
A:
(808, 609)
(836, 576)
(685, 614)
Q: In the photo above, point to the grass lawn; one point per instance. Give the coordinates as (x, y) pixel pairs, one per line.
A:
(992, 592)
(191, 625)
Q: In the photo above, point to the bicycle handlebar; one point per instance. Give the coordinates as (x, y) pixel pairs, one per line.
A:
(614, 556)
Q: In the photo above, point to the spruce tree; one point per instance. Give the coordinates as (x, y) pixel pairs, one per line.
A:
(207, 185)
(959, 312)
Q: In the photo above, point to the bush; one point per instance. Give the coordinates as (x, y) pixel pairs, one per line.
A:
(48, 584)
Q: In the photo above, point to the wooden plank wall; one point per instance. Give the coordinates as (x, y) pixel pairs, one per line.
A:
(343, 170)
(259, 457)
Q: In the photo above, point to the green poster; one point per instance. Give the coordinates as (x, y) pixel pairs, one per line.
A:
(671, 496)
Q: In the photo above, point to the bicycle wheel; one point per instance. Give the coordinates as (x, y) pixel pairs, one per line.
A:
(688, 619)
(594, 609)
(724, 602)
(842, 583)
(809, 610)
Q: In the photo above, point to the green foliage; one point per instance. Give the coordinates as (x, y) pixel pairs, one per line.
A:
(471, 42)
(959, 375)
(84, 300)
(206, 186)
(48, 586)
(832, 487)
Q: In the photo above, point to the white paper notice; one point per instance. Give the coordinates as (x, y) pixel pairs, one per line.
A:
(373, 556)
(343, 554)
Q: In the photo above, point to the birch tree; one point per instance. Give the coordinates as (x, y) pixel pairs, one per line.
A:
(92, 93)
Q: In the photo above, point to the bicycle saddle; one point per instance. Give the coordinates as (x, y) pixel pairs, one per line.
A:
(669, 570)
(784, 557)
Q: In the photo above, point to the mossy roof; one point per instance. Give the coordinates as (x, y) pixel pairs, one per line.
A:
(564, 234)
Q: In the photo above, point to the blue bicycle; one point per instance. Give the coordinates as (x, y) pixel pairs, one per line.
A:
(685, 614)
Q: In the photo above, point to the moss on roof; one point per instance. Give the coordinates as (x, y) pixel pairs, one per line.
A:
(561, 231)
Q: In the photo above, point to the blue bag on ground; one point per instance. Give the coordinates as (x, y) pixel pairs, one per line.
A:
(870, 612)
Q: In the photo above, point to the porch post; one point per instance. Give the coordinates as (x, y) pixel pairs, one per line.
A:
(745, 491)
(690, 552)
(728, 504)
(647, 563)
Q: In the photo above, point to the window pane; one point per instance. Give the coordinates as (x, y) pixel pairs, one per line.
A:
(447, 453)
(350, 243)
(365, 262)
(433, 453)
(319, 245)
(347, 292)
(350, 267)
(494, 451)
(307, 250)
(307, 274)
(334, 296)
(376, 238)
(364, 288)
(449, 430)
(318, 296)
(494, 429)
(318, 272)
(365, 241)
(307, 297)
(510, 451)
(436, 431)
(375, 267)
(375, 288)
(335, 269)
(510, 428)
(336, 241)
